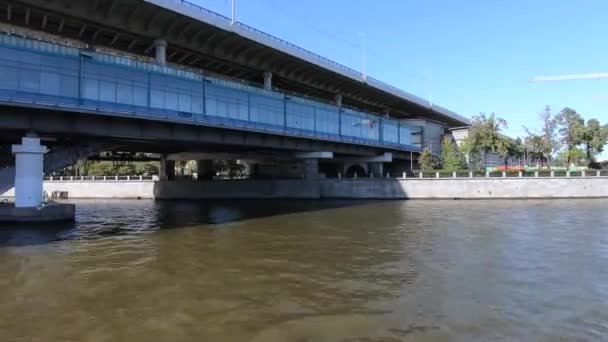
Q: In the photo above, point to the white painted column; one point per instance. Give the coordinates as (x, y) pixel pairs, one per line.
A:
(160, 47)
(338, 100)
(29, 161)
(268, 80)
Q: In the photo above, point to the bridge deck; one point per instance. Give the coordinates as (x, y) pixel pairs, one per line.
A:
(43, 74)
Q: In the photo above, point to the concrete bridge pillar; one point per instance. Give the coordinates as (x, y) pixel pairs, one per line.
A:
(311, 169)
(167, 169)
(29, 162)
(377, 169)
(204, 169)
(268, 80)
(160, 49)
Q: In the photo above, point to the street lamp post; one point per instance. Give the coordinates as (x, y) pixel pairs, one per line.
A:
(233, 12)
(363, 54)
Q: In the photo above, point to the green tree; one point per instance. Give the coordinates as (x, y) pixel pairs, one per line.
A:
(147, 169)
(82, 166)
(472, 156)
(549, 134)
(452, 159)
(506, 149)
(426, 160)
(518, 150)
(484, 135)
(594, 138)
(103, 168)
(542, 146)
(537, 149)
(571, 127)
(577, 157)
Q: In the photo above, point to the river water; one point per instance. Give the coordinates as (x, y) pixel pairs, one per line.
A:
(270, 271)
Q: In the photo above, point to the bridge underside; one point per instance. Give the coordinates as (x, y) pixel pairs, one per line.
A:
(145, 135)
(73, 136)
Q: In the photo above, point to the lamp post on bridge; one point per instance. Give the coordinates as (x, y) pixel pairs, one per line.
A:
(362, 34)
(233, 12)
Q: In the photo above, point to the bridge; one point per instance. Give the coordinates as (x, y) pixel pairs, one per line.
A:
(170, 77)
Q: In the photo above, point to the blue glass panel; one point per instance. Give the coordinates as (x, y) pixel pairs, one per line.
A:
(171, 101)
(300, 116)
(157, 98)
(124, 94)
(29, 80)
(140, 96)
(107, 91)
(9, 78)
(49, 83)
(90, 89)
(145, 88)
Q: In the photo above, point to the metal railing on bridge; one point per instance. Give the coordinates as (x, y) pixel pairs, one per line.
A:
(50, 75)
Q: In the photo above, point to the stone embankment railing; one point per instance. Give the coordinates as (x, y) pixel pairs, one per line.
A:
(100, 178)
(417, 175)
(477, 174)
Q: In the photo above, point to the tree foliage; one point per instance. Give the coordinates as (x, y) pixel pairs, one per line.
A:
(451, 158)
(541, 147)
(571, 126)
(485, 135)
(426, 160)
(565, 135)
(508, 147)
(593, 138)
(577, 156)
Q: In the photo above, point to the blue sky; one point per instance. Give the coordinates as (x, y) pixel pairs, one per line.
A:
(478, 54)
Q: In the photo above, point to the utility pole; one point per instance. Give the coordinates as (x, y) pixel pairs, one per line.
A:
(363, 54)
(430, 86)
(233, 12)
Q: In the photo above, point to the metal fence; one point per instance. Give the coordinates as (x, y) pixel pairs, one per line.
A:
(462, 175)
(439, 175)
(100, 178)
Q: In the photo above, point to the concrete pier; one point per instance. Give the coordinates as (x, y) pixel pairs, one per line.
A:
(28, 172)
(28, 190)
(45, 213)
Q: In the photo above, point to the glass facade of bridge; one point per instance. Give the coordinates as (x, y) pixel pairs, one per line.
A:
(48, 74)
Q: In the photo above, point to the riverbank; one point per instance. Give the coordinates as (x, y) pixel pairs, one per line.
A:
(389, 188)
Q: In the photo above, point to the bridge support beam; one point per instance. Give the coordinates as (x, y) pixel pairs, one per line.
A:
(268, 80)
(29, 162)
(160, 50)
(167, 169)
